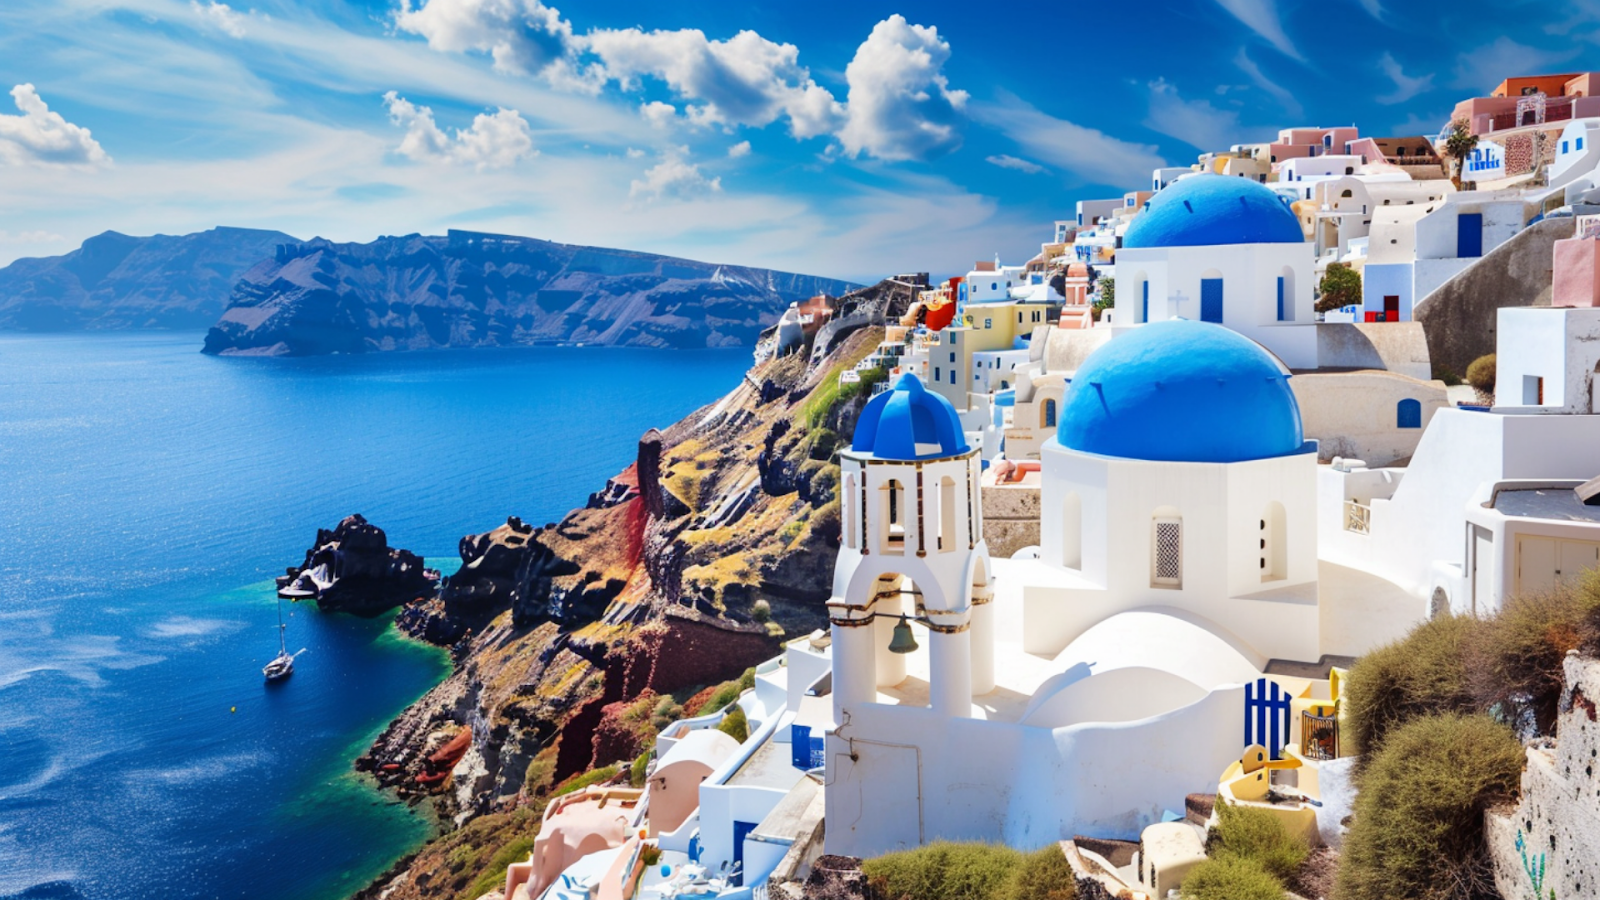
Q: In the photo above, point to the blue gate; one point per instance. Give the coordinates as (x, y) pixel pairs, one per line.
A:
(1266, 716)
(806, 750)
(1211, 300)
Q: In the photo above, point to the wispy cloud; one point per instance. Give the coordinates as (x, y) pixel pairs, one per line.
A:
(1006, 161)
(1092, 155)
(1292, 106)
(1195, 122)
(220, 16)
(1405, 86)
(738, 150)
(1261, 16)
(43, 138)
(1481, 68)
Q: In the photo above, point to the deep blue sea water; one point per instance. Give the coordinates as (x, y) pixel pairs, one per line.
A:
(148, 494)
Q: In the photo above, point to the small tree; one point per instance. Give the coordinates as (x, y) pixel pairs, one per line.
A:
(1340, 287)
(1105, 298)
(1481, 374)
(1458, 145)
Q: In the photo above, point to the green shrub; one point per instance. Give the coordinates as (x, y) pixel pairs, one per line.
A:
(641, 764)
(1515, 656)
(761, 611)
(1446, 375)
(1259, 836)
(1424, 672)
(1417, 833)
(735, 725)
(1044, 875)
(747, 678)
(494, 873)
(650, 855)
(944, 871)
(579, 782)
(1481, 374)
(1231, 878)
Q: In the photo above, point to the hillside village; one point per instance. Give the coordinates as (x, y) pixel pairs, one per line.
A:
(1190, 557)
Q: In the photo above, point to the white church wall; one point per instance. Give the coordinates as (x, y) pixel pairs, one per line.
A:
(1120, 695)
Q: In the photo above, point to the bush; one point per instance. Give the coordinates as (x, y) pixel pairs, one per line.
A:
(1044, 874)
(1424, 672)
(579, 782)
(1418, 827)
(1259, 836)
(747, 678)
(494, 873)
(641, 764)
(1446, 375)
(1340, 287)
(944, 871)
(735, 725)
(1515, 657)
(1231, 878)
(761, 611)
(1481, 374)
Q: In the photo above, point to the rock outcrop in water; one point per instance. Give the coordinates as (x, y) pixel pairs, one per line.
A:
(115, 281)
(688, 567)
(353, 569)
(479, 290)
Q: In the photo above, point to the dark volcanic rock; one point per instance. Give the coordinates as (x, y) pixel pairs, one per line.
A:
(475, 290)
(116, 281)
(353, 569)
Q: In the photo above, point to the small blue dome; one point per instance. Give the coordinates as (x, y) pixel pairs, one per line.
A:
(1181, 391)
(1206, 210)
(909, 422)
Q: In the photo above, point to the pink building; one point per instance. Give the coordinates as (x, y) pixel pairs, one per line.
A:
(1577, 272)
(1297, 143)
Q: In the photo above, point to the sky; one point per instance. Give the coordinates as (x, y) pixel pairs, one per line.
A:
(847, 139)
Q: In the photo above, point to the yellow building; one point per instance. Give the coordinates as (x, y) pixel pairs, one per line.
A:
(983, 327)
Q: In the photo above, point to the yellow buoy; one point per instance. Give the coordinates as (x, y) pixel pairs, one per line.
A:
(233, 709)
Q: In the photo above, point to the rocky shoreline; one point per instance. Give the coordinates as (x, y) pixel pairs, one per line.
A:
(691, 565)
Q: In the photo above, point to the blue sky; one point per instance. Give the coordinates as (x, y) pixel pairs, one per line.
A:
(848, 139)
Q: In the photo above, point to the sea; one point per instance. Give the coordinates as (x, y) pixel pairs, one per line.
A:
(148, 496)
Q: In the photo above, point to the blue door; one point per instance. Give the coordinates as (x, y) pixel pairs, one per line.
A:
(1211, 300)
(1280, 298)
(740, 831)
(1144, 309)
(1408, 414)
(1469, 235)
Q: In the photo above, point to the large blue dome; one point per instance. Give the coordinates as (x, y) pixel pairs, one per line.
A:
(909, 422)
(1181, 391)
(1206, 210)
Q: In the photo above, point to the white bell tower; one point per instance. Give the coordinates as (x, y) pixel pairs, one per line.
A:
(912, 561)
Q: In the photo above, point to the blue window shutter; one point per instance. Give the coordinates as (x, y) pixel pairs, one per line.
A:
(1280, 298)
(1144, 313)
(952, 376)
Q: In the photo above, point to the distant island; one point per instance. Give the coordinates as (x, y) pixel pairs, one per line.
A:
(116, 281)
(482, 290)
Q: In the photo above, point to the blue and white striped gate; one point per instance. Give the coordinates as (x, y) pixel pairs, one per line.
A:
(1266, 716)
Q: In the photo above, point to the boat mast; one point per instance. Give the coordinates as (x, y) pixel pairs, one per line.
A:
(283, 648)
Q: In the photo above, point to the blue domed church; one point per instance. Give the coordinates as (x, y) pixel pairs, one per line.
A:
(1180, 478)
(1224, 250)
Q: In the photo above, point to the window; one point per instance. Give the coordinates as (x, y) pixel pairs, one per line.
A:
(1019, 317)
(1280, 298)
(952, 356)
(947, 514)
(1166, 556)
(891, 528)
(1048, 414)
(937, 376)
(952, 376)
(1408, 414)
(1469, 235)
(1563, 147)
(1274, 547)
(1532, 390)
(847, 512)
(988, 323)
(1211, 300)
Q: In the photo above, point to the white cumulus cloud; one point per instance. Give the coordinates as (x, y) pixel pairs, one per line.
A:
(495, 141)
(674, 179)
(740, 149)
(745, 80)
(522, 36)
(1006, 161)
(658, 114)
(42, 137)
(220, 15)
(900, 104)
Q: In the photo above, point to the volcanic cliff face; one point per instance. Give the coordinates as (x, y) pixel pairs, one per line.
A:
(688, 567)
(116, 281)
(475, 290)
(353, 569)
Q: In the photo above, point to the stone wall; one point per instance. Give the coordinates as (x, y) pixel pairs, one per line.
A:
(1010, 517)
(1459, 317)
(1548, 845)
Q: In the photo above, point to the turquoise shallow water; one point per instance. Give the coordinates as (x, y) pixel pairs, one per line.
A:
(148, 494)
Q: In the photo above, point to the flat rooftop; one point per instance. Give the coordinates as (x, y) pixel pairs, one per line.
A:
(1545, 503)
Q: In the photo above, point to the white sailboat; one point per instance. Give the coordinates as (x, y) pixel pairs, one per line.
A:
(282, 665)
